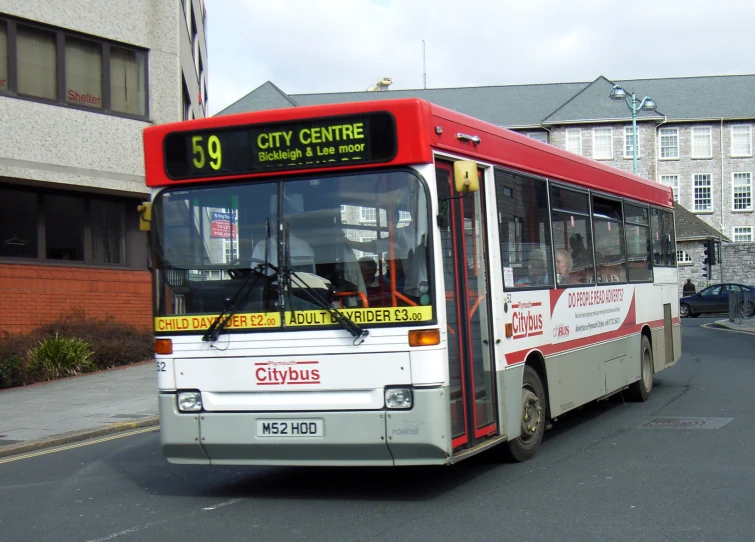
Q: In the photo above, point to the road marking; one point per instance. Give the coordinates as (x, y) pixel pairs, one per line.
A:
(79, 444)
(138, 528)
(714, 326)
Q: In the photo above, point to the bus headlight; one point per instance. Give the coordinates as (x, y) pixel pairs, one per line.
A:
(398, 397)
(189, 401)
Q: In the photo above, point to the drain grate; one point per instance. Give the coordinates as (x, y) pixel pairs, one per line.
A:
(680, 422)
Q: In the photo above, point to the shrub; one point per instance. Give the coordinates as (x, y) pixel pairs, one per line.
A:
(11, 370)
(59, 357)
(110, 344)
(113, 343)
(13, 348)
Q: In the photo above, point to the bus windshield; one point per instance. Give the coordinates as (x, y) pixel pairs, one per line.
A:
(360, 241)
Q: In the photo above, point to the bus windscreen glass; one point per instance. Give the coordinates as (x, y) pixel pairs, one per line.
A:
(361, 241)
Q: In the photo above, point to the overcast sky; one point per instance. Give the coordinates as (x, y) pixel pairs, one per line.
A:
(311, 46)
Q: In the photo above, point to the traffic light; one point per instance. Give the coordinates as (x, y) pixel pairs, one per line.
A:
(710, 252)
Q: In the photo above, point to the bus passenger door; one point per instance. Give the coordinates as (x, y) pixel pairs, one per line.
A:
(468, 308)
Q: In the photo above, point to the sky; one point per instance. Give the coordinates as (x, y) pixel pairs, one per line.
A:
(314, 46)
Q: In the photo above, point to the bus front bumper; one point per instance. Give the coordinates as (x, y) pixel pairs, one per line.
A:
(420, 436)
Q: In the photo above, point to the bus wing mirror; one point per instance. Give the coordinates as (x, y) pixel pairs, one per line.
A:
(465, 176)
(145, 216)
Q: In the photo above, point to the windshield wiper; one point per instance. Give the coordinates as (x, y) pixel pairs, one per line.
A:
(301, 283)
(239, 298)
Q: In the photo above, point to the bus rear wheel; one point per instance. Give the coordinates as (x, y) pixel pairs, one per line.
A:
(640, 390)
(533, 418)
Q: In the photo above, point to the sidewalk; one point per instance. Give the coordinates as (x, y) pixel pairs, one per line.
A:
(78, 408)
(747, 325)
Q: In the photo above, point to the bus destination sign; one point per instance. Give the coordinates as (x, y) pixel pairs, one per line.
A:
(302, 144)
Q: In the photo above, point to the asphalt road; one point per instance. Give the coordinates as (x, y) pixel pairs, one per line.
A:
(602, 474)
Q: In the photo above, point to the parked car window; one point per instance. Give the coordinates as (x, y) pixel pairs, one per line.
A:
(708, 292)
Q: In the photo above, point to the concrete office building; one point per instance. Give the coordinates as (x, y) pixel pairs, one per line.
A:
(79, 81)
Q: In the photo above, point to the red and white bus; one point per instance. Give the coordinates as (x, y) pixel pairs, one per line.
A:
(394, 283)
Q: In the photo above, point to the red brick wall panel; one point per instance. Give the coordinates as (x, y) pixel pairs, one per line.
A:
(34, 295)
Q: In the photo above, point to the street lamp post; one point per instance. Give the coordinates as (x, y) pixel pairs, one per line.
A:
(647, 104)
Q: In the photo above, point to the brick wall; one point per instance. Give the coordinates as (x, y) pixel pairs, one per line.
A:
(32, 295)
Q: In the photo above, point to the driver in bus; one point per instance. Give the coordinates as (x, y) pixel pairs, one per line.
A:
(300, 252)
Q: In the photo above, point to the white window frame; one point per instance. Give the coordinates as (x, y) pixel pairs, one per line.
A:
(700, 132)
(738, 232)
(574, 135)
(702, 177)
(746, 137)
(683, 257)
(602, 133)
(673, 182)
(538, 136)
(668, 133)
(628, 133)
(745, 191)
(367, 214)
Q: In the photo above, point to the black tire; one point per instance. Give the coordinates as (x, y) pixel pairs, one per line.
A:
(684, 310)
(533, 419)
(748, 311)
(640, 390)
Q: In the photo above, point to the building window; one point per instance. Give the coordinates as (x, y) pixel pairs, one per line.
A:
(602, 143)
(701, 142)
(3, 56)
(741, 191)
(87, 72)
(574, 140)
(540, 136)
(629, 142)
(128, 81)
(195, 46)
(63, 227)
(107, 220)
(18, 224)
(743, 234)
(673, 182)
(741, 139)
(703, 201)
(682, 257)
(83, 72)
(37, 55)
(186, 105)
(669, 143)
(368, 214)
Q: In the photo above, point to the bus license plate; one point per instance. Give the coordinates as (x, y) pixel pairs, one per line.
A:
(290, 428)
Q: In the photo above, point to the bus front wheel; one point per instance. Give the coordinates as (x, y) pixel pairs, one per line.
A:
(533, 418)
(640, 390)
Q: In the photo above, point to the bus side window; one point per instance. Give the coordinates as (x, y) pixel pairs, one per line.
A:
(656, 228)
(524, 228)
(608, 226)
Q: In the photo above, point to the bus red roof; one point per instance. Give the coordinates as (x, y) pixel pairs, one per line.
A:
(424, 128)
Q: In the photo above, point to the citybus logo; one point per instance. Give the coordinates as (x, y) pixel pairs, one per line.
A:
(560, 330)
(526, 323)
(280, 373)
